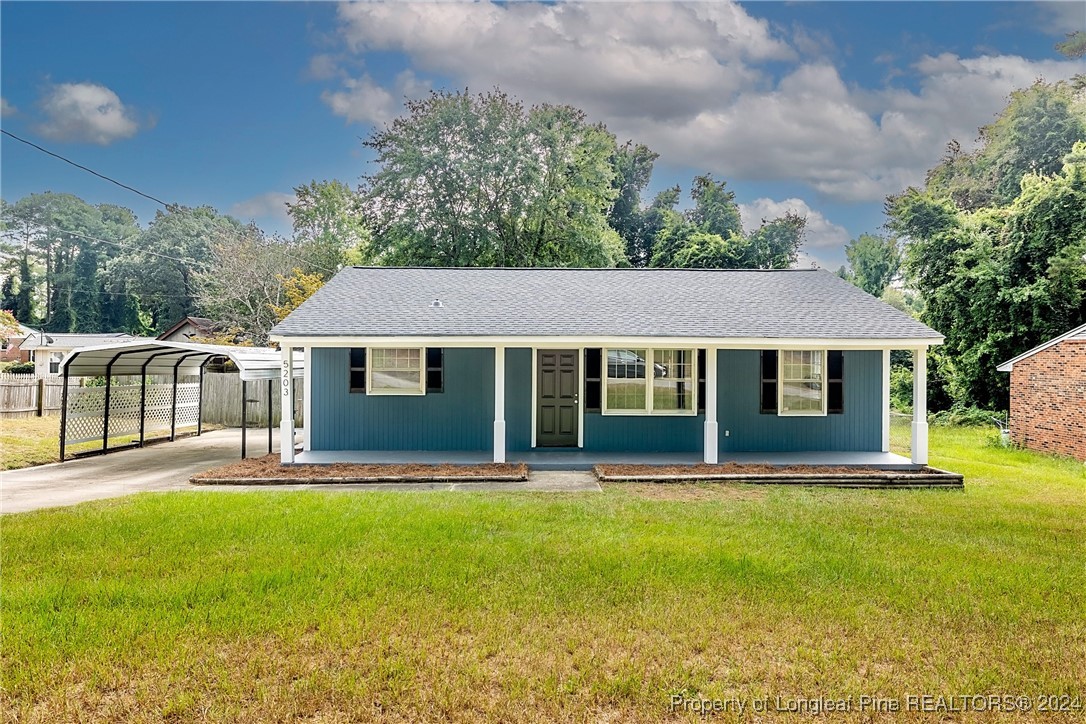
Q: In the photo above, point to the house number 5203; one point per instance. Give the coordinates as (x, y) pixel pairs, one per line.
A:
(284, 382)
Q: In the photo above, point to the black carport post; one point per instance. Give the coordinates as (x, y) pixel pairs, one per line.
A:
(200, 400)
(173, 407)
(64, 412)
(105, 411)
(143, 392)
(270, 416)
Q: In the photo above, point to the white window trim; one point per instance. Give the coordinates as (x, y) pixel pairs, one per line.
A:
(421, 390)
(650, 361)
(781, 412)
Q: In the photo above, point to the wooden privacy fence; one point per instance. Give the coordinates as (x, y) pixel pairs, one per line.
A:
(31, 395)
(222, 401)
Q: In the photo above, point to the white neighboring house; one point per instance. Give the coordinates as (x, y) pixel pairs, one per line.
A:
(47, 349)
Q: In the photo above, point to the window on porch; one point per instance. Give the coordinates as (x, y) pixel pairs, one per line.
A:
(650, 381)
(802, 382)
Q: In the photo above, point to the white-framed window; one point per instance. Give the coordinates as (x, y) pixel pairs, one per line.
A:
(649, 381)
(396, 371)
(55, 358)
(801, 382)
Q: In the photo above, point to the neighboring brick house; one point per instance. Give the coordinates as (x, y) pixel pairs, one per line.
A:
(11, 348)
(1048, 395)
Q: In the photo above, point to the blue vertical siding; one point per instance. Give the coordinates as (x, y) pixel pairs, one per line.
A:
(858, 428)
(460, 418)
(518, 400)
(644, 433)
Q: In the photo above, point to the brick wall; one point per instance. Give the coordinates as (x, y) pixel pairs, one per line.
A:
(1048, 400)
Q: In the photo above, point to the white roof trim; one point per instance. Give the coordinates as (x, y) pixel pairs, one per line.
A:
(1009, 364)
(163, 357)
(585, 341)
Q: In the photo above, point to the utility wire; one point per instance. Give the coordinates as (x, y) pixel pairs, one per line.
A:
(117, 243)
(169, 207)
(167, 256)
(88, 170)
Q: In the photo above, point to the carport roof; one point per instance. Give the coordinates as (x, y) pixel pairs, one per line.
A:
(160, 357)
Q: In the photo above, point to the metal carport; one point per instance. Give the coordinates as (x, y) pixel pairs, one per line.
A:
(115, 410)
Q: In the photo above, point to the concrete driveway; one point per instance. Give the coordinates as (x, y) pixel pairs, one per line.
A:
(165, 466)
(168, 466)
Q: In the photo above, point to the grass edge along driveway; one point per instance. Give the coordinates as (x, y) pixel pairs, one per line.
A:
(280, 605)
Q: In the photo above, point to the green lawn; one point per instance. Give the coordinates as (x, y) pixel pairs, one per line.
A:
(279, 605)
(27, 441)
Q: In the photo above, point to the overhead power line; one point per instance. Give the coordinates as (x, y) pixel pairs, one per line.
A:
(168, 207)
(167, 256)
(84, 168)
(117, 243)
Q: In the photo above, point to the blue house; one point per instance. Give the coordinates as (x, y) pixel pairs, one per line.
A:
(598, 364)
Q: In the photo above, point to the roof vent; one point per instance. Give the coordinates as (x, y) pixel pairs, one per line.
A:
(436, 304)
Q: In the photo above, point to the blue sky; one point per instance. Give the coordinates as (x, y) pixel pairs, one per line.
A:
(821, 108)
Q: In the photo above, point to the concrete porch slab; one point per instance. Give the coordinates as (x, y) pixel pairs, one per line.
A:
(565, 459)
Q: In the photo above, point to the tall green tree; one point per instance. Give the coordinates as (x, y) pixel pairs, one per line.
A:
(24, 298)
(633, 164)
(478, 180)
(1032, 134)
(710, 235)
(71, 241)
(715, 210)
(328, 217)
(998, 281)
(874, 262)
(165, 260)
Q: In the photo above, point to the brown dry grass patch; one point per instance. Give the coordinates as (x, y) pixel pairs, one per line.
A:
(270, 466)
(704, 469)
(689, 491)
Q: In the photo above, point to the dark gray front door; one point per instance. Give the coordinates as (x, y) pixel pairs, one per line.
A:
(559, 385)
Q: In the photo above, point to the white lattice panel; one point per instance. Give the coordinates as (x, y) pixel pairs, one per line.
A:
(188, 404)
(84, 420)
(86, 406)
(159, 407)
(124, 410)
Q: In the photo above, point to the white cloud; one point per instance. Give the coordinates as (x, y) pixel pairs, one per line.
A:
(362, 100)
(86, 112)
(6, 109)
(1060, 17)
(658, 60)
(322, 67)
(821, 233)
(848, 143)
(270, 206)
(690, 81)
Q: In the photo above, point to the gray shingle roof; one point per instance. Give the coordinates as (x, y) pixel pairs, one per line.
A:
(388, 301)
(71, 340)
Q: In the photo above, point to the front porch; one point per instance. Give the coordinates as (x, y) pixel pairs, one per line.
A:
(542, 459)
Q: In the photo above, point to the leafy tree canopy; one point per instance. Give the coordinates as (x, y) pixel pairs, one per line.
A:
(874, 262)
(480, 180)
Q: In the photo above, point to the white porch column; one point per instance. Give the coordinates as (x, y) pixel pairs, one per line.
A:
(286, 400)
(920, 406)
(712, 439)
(499, 404)
(307, 399)
(886, 400)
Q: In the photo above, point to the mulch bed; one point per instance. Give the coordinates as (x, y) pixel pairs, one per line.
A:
(269, 470)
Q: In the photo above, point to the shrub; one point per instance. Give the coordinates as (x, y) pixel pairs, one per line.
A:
(966, 417)
(19, 368)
